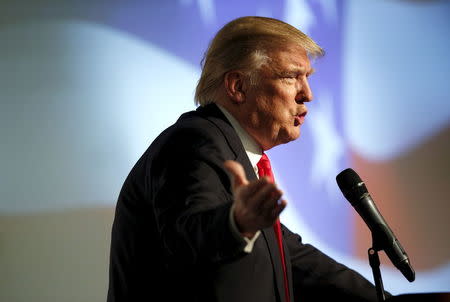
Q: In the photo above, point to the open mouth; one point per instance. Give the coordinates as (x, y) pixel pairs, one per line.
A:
(299, 119)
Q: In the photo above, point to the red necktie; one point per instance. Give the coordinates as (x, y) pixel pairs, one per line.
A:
(264, 169)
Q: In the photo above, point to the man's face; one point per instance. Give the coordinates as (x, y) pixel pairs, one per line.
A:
(274, 108)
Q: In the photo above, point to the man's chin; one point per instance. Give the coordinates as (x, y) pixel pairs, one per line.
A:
(295, 135)
(291, 137)
(283, 139)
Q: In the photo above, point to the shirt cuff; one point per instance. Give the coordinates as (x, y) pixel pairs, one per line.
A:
(234, 229)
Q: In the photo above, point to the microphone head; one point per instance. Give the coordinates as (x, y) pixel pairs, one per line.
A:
(347, 179)
(351, 185)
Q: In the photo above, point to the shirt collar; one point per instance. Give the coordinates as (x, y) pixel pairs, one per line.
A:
(253, 150)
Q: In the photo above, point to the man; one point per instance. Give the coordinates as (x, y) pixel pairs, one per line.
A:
(193, 220)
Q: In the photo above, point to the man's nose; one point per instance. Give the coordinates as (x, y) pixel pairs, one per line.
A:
(305, 93)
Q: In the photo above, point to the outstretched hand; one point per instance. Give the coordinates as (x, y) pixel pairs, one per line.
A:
(257, 204)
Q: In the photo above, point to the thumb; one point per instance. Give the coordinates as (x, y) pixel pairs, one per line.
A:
(238, 177)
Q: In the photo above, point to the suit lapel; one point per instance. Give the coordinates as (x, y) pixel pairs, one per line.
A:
(213, 114)
(288, 268)
(271, 240)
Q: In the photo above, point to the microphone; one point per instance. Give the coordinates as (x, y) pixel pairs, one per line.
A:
(356, 193)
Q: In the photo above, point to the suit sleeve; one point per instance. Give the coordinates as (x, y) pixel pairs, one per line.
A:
(192, 200)
(317, 277)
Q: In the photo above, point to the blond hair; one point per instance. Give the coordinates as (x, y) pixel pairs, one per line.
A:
(242, 44)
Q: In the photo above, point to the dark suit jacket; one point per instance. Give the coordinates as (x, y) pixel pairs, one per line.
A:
(171, 237)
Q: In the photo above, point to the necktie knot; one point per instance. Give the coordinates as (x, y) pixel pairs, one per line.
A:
(264, 167)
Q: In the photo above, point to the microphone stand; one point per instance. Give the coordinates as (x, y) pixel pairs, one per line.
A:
(374, 261)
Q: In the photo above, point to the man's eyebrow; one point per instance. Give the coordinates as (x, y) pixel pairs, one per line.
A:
(295, 70)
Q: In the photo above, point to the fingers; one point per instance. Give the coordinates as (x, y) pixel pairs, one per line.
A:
(254, 187)
(237, 173)
(267, 201)
(281, 205)
(257, 204)
(266, 196)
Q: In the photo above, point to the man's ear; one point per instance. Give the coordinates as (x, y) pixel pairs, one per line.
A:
(234, 86)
